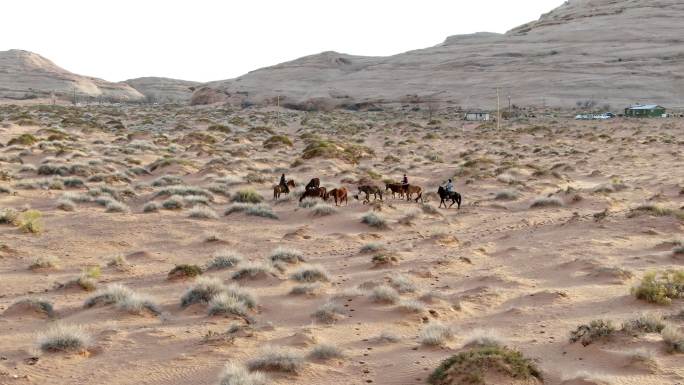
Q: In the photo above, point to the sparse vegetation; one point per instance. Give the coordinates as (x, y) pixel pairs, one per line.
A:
(435, 334)
(310, 273)
(661, 288)
(234, 374)
(329, 313)
(185, 271)
(594, 331)
(325, 352)
(276, 359)
(64, 338)
(282, 254)
(374, 220)
(247, 196)
(224, 260)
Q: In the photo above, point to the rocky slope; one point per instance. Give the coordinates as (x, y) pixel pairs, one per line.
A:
(25, 74)
(163, 89)
(608, 51)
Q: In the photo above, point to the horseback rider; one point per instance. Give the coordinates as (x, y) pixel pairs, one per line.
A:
(283, 184)
(404, 180)
(449, 187)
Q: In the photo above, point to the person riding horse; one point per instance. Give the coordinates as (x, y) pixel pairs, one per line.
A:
(283, 184)
(449, 187)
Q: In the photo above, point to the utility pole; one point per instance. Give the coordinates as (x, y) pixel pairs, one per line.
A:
(278, 111)
(74, 99)
(509, 106)
(498, 110)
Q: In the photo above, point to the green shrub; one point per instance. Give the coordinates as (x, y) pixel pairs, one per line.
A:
(247, 196)
(185, 271)
(30, 221)
(661, 288)
(277, 141)
(23, 140)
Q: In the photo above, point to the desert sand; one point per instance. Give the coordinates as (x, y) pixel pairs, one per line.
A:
(560, 219)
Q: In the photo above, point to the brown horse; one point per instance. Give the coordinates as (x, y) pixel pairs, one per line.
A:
(318, 192)
(339, 194)
(368, 190)
(280, 189)
(396, 188)
(413, 189)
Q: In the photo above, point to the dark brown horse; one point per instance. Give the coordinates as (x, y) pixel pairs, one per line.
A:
(396, 188)
(317, 192)
(280, 189)
(339, 194)
(368, 190)
(445, 195)
(413, 189)
(313, 184)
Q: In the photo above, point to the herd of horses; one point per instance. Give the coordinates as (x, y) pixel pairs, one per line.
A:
(314, 190)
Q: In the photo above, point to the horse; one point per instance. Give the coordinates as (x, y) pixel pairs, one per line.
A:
(313, 184)
(445, 195)
(396, 188)
(291, 183)
(318, 192)
(413, 189)
(339, 194)
(280, 189)
(368, 190)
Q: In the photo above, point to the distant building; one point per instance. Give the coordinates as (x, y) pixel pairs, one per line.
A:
(477, 115)
(645, 110)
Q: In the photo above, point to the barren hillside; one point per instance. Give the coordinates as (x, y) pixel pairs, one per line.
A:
(25, 74)
(611, 51)
(163, 89)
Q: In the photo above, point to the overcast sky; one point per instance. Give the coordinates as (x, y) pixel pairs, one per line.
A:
(212, 40)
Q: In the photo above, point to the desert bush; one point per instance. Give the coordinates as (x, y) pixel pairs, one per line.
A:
(151, 207)
(204, 289)
(257, 210)
(234, 374)
(64, 338)
(593, 331)
(546, 202)
(383, 259)
(9, 216)
(411, 305)
(403, 283)
(124, 299)
(116, 207)
(386, 336)
(173, 203)
(47, 262)
(276, 359)
(23, 140)
(308, 203)
(325, 352)
(253, 270)
(323, 209)
(277, 141)
(226, 304)
(119, 262)
(66, 205)
(30, 221)
(506, 195)
(371, 247)
(83, 282)
(282, 254)
(660, 288)
(310, 273)
(482, 338)
(656, 211)
(202, 213)
(471, 366)
(649, 323)
(384, 294)
(374, 220)
(247, 196)
(224, 260)
(167, 180)
(673, 338)
(435, 334)
(329, 313)
(409, 216)
(185, 271)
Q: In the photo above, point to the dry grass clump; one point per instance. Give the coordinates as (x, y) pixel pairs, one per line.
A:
(371, 247)
(39, 305)
(185, 271)
(227, 304)
(201, 212)
(9, 216)
(256, 210)
(411, 305)
(506, 195)
(471, 366)
(66, 205)
(384, 294)
(323, 209)
(124, 299)
(204, 289)
(234, 374)
(113, 206)
(46, 262)
(282, 254)
(673, 338)
(30, 221)
(403, 283)
(386, 337)
(594, 331)
(120, 263)
(546, 202)
(656, 211)
(306, 289)
(325, 352)
(151, 207)
(661, 288)
(310, 273)
(173, 203)
(64, 338)
(482, 338)
(224, 260)
(435, 334)
(253, 270)
(247, 196)
(308, 203)
(383, 259)
(648, 323)
(374, 220)
(277, 360)
(329, 313)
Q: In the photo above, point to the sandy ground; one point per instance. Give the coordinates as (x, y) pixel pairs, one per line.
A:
(529, 275)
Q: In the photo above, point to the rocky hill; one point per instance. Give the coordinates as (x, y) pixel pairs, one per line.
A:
(163, 89)
(599, 52)
(25, 75)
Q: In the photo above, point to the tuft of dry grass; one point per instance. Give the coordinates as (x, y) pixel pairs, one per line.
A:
(310, 273)
(374, 220)
(384, 294)
(594, 331)
(276, 359)
(435, 334)
(234, 374)
(325, 352)
(329, 313)
(64, 338)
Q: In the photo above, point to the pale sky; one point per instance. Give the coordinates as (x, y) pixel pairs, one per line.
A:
(207, 40)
